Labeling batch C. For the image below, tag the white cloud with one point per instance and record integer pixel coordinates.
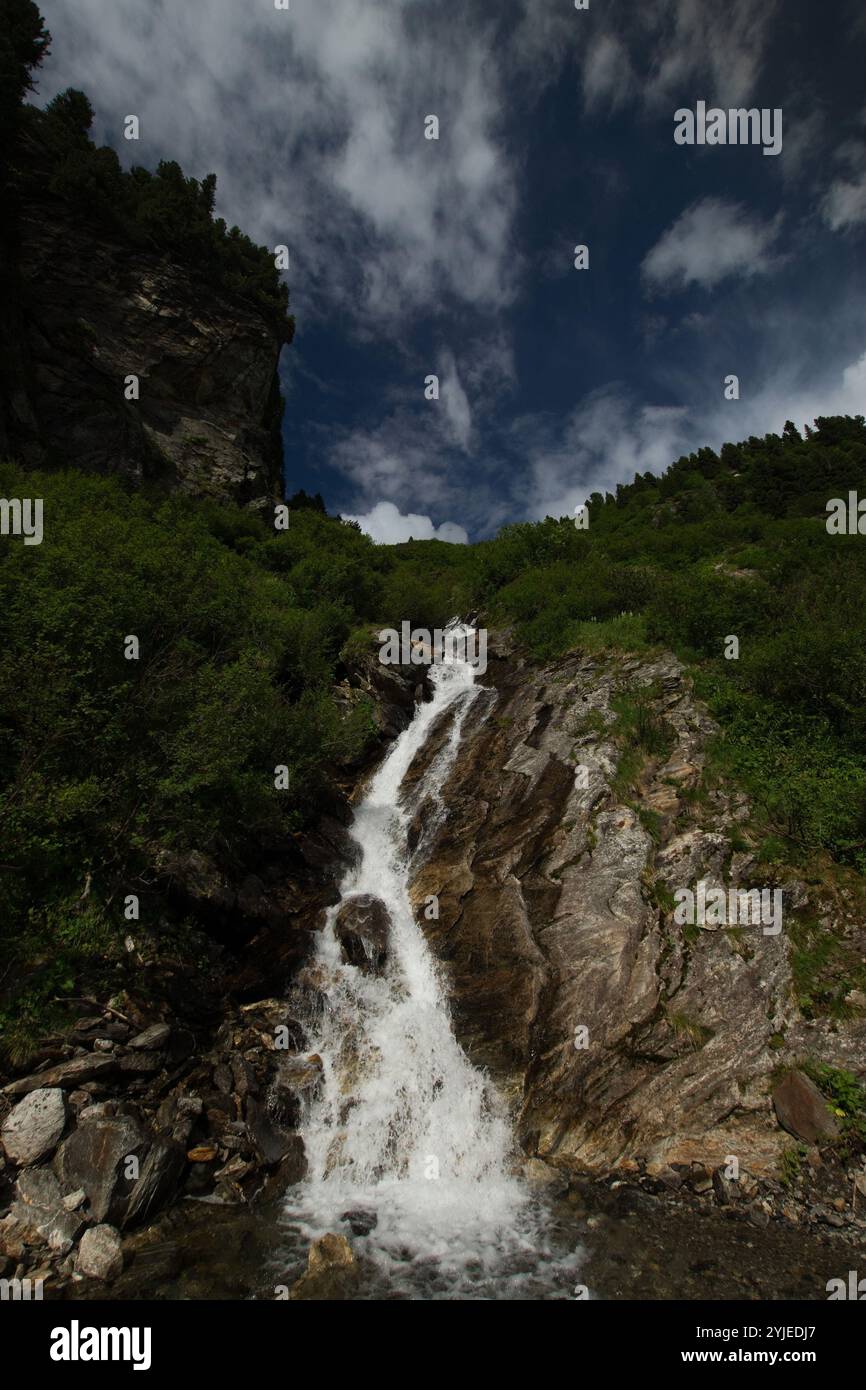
(612, 436)
(387, 526)
(710, 241)
(648, 52)
(608, 78)
(313, 120)
(686, 41)
(605, 440)
(788, 396)
(844, 203)
(454, 400)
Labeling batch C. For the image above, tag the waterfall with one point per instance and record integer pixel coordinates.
(403, 1129)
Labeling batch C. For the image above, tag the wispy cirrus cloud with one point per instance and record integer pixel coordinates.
(843, 205)
(313, 119)
(711, 241)
(647, 53)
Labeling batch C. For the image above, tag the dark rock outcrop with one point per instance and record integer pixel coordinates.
(802, 1110)
(94, 311)
(361, 927)
(124, 1171)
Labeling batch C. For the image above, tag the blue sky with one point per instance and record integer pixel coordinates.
(455, 257)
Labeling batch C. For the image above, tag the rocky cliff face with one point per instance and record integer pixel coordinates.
(93, 311)
(556, 916)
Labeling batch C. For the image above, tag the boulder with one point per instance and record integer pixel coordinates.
(292, 1169)
(330, 1252)
(39, 1215)
(96, 1157)
(69, 1074)
(158, 1181)
(542, 1177)
(12, 1239)
(141, 1063)
(802, 1110)
(176, 1121)
(361, 1222)
(152, 1039)
(34, 1127)
(301, 1073)
(284, 1105)
(361, 927)
(86, 1028)
(332, 1271)
(271, 1141)
(100, 1255)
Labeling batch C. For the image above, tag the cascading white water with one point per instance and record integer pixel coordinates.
(403, 1127)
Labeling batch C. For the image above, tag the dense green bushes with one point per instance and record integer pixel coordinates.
(809, 782)
(107, 763)
(161, 210)
(721, 545)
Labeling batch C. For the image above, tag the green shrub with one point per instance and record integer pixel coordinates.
(846, 1097)
(107, 763)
